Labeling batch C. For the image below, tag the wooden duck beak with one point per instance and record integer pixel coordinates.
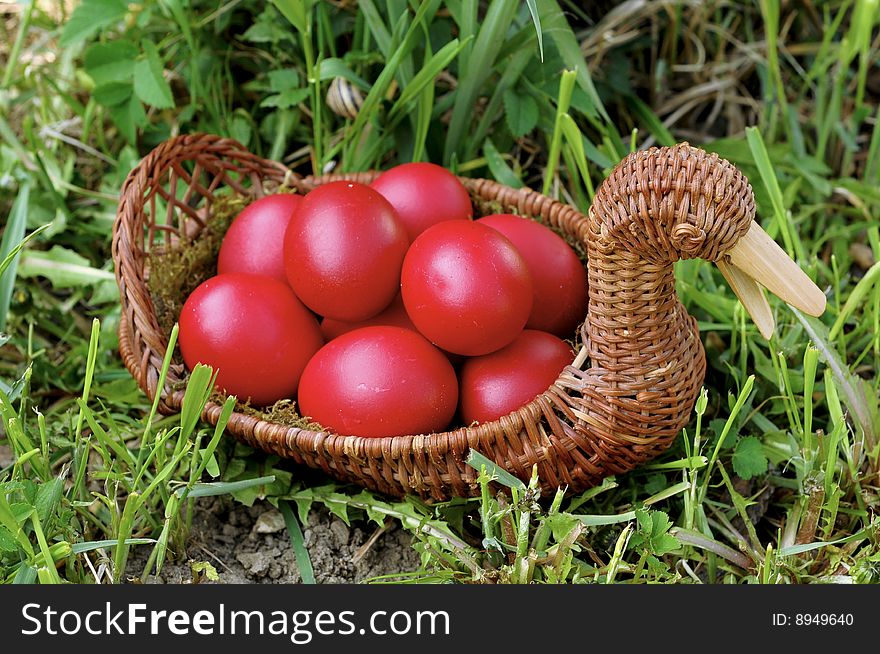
(757, 260)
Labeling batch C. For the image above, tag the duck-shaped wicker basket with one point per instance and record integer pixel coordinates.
(624, 398)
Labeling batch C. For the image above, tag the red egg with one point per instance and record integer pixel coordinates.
(560, 281)
(424, 194)
(343, 250)
(254, 242)
(379, 381)
(253, 331)
(393, 316)
(466, 287)
(496, 384)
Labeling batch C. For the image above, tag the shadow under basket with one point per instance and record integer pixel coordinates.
(167, 200)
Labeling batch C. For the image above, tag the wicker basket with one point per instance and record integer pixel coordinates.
(626, 395)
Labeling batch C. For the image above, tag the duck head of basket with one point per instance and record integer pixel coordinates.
(625, 396)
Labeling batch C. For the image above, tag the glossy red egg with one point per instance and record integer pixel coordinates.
(379, 381)
(496, 384)
(466, 287)
(253, 331)
(254, 242)
(394, 315)
(343, 250)
(560, 281)
(424, 194)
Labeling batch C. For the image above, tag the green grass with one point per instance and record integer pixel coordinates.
(773, 481)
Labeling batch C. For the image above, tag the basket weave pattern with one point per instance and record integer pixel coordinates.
(623, 399)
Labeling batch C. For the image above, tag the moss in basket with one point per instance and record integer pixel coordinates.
(283, 412)
(176, 272)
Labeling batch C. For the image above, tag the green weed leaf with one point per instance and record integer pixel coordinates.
(286, 99)
(129, 117)
(748, 458)
(521, 112)
(64, 268)
(149, 82)
(111, 62)
(112, 94)
(90, 17)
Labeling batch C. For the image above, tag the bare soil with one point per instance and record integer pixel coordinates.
(251, 545)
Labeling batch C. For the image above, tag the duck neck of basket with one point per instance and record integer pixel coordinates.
(637, 326)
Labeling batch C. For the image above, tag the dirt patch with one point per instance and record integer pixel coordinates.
(251, 545)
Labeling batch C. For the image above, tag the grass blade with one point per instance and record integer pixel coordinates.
(696, 539)
(490, 38)
(855, 299)
(809, 547)
(79, 548)
(857, 397)
(297, 540)
(380, 86)
(13, 241)
(477, 461)
(566, 88)
(211, 488)
(793, 245)
(198, 389)
(425, 77)
(740, 401)
(536, 19)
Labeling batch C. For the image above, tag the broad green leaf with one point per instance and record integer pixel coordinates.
(286, 99)
(113, 94)
(149, 82)
(240, 129)
(7, 540)
(561, 525)
(661, 523)
(90, 17)
(209, 570)
(521, 113)
(664, 543)
(128, 117)
(338, 506)
(48, 499)
(64, 268)
(268, 28)
(296, 11)
(748, 458)
(111, 62)
(283, 79)
(646, 521)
